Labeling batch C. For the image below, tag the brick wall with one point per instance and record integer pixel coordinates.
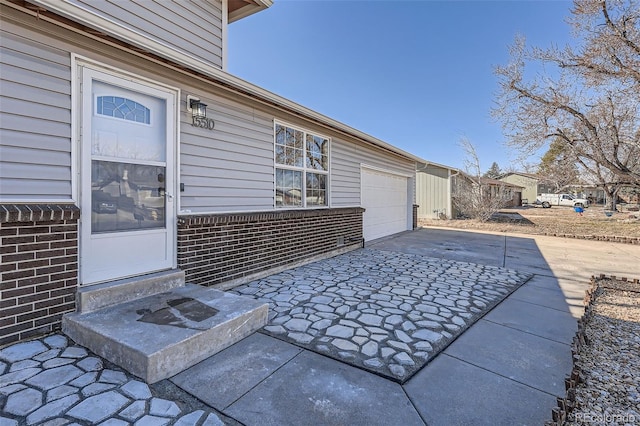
(214, 249)
(38, 268)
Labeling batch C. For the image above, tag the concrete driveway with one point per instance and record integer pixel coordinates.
(507, 368)
(480, 324)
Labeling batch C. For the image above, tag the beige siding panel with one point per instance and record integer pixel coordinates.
(35, 118)
(530, 190)
(191, 27)
(432, 193)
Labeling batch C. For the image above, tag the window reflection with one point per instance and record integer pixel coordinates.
(288, 188)
(302, 168)
(126, 197)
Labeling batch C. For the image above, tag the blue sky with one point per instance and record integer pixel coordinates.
(416, 74)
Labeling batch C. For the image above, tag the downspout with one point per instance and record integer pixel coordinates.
(450, 201)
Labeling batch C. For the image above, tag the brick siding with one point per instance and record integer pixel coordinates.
(214, 249)
(38, 268)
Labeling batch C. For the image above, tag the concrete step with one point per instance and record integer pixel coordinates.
(158, 336)
(94, 297)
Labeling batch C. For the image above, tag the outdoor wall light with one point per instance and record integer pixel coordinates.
(198, 108)
(199, 113)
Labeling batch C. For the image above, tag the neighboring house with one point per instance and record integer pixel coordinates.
(513, 192)
(433, 190)
(112, 166)
(528, 181)
(492, 187)
(531, 183)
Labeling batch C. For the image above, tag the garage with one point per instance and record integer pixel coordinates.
(384, 197)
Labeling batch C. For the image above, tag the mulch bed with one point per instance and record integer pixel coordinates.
(604, 385)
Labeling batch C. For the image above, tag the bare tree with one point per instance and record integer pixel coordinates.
(473, 195)
(610, 48)
(609, 183)
(586, 99)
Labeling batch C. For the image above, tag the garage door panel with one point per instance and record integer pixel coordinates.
(384, 197)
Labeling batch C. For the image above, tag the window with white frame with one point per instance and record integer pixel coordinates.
(302, 168)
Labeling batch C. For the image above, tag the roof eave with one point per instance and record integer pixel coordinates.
(140, 41)
(248, 10)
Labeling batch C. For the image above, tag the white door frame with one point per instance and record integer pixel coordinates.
(84, 71)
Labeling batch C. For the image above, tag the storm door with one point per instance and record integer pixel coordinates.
(127, 178)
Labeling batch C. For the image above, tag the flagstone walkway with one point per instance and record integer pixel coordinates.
(383, 311)
(52, 381)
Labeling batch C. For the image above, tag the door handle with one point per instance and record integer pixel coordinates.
(169, 196)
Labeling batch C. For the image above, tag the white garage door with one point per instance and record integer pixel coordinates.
(384, 196)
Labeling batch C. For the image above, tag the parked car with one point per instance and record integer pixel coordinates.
(102, 202)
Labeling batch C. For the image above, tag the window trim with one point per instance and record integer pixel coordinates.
(304, 169)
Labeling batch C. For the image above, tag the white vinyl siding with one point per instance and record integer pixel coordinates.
(35, 120)
(347, 158)
(190, 26)
(231, 167)
(227, 169)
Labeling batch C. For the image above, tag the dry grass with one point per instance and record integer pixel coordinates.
(556, 220)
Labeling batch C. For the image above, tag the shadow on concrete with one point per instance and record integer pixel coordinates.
(507, 368)
(510, 365)
(510, 217)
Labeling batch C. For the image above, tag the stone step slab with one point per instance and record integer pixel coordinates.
(99, 296)
(158, 336)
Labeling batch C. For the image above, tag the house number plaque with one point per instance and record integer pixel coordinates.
(203, 122)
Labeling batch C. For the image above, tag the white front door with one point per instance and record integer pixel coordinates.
(127, 177)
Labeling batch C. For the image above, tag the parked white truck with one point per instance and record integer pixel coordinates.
(548, 200)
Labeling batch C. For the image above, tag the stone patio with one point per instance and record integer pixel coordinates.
(383, 311)
(55, 382)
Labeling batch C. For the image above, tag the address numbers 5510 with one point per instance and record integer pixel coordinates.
(203, 122)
